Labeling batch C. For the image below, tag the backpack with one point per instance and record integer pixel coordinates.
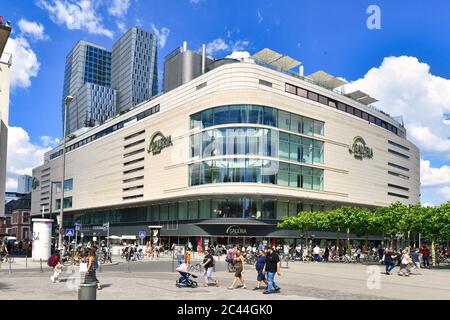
(51, 261)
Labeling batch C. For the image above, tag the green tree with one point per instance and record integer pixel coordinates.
(436, 226)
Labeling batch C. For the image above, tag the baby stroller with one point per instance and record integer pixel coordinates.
(184, 280)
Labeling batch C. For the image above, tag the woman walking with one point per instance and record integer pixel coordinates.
(238, 262)
(92, 267)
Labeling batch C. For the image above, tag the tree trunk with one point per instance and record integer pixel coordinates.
(433, 254)
(338, 238)
(348, 241)
(306, 237)
(367, 242)
(382, 240)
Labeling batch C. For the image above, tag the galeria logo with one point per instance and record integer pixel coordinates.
(158, 142)
(235, 230)
(34, 183)
(359, 149)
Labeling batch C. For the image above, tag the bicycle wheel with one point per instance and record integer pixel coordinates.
(194, 284)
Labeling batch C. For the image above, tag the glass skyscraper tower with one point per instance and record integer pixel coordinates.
(87, 78)
(134, 68)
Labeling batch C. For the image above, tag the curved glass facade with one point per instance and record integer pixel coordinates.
(255, 114)
(255, 171)
(256, 142)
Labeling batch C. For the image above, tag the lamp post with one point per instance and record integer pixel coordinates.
(67, 100)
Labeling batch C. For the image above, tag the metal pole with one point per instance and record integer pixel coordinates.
(26, 260)
(9, 259)
(128, 265)
(173, 260)
(41, 265)
(67, 100)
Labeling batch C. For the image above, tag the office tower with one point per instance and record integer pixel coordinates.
(183, 65)
(87, 78)
(134, 68)
(24, 183)
(5, 68)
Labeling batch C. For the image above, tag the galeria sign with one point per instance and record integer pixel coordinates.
(158, 142)
(359, 149)
(235, 230)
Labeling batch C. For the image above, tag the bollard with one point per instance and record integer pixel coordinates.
(87, 291)
(41, 265)
(100, 267)
(9, 265)
(26, 261)
(128, 266)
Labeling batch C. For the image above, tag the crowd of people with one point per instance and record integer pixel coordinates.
(8, 248)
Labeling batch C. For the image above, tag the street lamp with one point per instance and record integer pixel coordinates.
(67, 100)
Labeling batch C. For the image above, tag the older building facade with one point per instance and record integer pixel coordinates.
(225, 156)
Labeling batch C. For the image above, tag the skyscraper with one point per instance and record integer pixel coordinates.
(134, 68)
(5, 68)
(24, 183)
(87, 78)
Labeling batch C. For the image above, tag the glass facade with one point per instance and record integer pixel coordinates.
(255, 114)
(229, 207)
(248, 170)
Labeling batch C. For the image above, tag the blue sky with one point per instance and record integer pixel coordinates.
(409, 55)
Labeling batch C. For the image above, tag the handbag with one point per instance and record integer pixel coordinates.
(83, 267)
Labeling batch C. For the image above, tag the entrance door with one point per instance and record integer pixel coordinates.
(236, 241)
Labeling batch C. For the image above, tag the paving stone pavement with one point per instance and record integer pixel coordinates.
(301, 281)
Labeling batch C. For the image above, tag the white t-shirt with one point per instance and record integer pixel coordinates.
(316, 250)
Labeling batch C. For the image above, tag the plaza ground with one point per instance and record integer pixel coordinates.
(153, 280)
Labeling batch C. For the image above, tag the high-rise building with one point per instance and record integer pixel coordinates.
(134, 68)
(183, 65)
(87, 78)
(5, 68)
(24, 183)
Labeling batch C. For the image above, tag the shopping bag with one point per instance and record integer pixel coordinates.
(83, 267)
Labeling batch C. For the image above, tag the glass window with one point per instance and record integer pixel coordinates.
(318, 152)
(195, 145)
(220, 142)
(182, 211)
(295, 147)
(252, 208)
(307, 150)
(293, 209)
(164, 212)
(253, 171)
(194, 174)
(205, 209)
(295, 176)
(317, 179)
(221, 115)
(290, 88)
(318, 127)
(332, 103)
(155, 213)
(308, 126)
(193, 209)
(365, 115)
(208, 144)
(237, 114)
(173, 211)
(371, 118)
(349, 109)
(284, 120)
(268, 171)
(358, 113)
(296, 123)
(283, 175)
(283, 150)
(282, 209)
(313, 96)
(323, 100)
(67, 203)
(255, 114)
(270, 116)
(341, 106)
(207, 118)
(205, 172)
(302, 92)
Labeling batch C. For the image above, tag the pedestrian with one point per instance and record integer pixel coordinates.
(415, 256)
(326, 254)
(208, 264)
(238, 262)
(388, 260)
(426, 256)
(316, 252)
(259, 267)
(272, 267)
(55, 263)
(188, 256)
(92, 267)
(380, 253)
(405, 262)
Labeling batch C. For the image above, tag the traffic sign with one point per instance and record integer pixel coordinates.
(70, 232)
(77, 228)
(142, 234)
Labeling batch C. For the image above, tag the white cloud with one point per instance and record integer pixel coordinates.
(430, 176)
(119, 8)
(11, 184)
(25, 64)
(445, 193)
(215, 46)
(48, 141)
(161, 34)
(121, 26)
(32, 30)
(76, 15)
(405, 86)
(23, 155)
(260, 17)
(219, 45)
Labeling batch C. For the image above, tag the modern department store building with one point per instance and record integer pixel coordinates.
(225, 156)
